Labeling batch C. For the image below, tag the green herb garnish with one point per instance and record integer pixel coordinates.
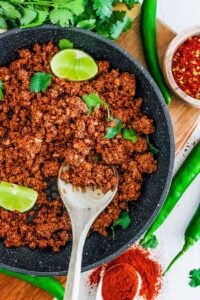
(112, 131)
(9, 11)
(63, 17)
(40, 81)
(103, 8)
(28, 15)
(1, 89)
(96, 15)
(123, 23)
(87, 24)
(129, 134)
(129, 3)
(123, 221)
(41, 17)
(152, 243)
(65, 44)
(194, 278)
(93, 101)
(153, 149)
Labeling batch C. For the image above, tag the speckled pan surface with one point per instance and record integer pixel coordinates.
(99, 249)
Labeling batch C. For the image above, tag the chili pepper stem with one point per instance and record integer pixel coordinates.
(184, 249)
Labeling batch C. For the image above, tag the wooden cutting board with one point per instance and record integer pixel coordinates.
(185, 119)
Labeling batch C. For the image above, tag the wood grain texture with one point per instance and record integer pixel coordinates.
(184, 118)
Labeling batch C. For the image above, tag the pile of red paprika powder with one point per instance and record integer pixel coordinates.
(121, 282)
(186, 66)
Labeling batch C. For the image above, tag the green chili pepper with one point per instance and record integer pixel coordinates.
(148, 32)
(192, 235)
(182, 179)
(52, 286)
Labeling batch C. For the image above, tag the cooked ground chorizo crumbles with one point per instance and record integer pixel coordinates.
(41, 130)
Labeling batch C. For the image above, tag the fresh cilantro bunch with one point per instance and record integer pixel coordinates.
(95, 15)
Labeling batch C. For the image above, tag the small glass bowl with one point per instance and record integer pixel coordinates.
(175, 43)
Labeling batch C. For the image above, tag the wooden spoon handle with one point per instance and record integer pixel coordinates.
(74, 271)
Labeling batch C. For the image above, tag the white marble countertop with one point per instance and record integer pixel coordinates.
(178, 14)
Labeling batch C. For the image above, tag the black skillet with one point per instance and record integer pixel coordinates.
(98, 249)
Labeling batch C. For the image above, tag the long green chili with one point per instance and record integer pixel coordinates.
(52, 286)
(148, 32)
(182, 179)
(192, 235)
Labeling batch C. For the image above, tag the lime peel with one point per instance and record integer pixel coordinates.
(74, 65)
(15, 197)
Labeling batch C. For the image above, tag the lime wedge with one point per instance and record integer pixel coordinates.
(17, 197)
(74, 65)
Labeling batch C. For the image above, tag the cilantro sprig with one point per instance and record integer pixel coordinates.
(93, 101)
(151, 147)
(113, 131)
(40, 81)
(65, 44)
(194, 276)
(152, 243)
(123, 221)
(96, 15)
(1, 89)
(129, 134)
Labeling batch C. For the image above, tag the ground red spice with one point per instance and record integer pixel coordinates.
(149, 270)
(186, 66)
(120, 283)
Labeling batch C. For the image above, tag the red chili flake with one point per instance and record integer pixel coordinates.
(186, 66)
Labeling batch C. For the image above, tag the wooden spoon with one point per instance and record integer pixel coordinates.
(83, 208)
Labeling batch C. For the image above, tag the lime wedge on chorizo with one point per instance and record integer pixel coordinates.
(74, 65)
(17, 197)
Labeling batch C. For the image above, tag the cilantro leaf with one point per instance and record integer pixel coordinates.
(123, 221)
(76, 7)
(151, 243)
(112, 131)
(103, 28)
(99, 16)
(103, 8)
(130, 3)
(87, 24)
(40, 81)
(93, 101)
(129, 134)
(3, 24)
(61, 17)
(65, 44)
(114, 26)
(39, 20)
(89, 13)
(1, 89)
(9, 10)
(194, 277)
(153, 149)
(28, 15)
(120, 26)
